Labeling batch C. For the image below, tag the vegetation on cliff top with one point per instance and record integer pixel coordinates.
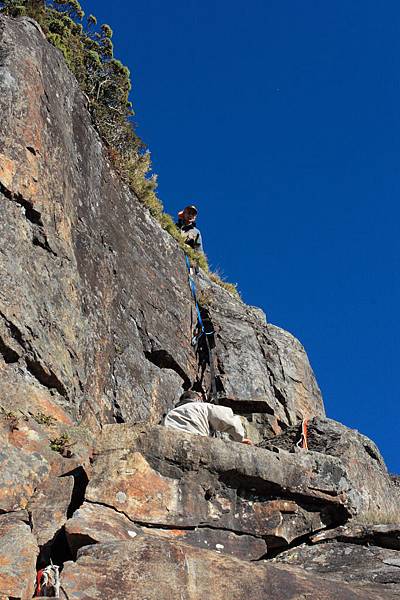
(88, 51)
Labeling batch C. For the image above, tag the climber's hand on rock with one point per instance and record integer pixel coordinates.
(247, 441)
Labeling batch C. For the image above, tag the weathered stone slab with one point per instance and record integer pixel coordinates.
(310, 474)
(297, 381)
(245, 547)
(93, 523)
(18, 553)
(23, 394)
(181, 480)
(346, 561)
(104, 315)
(152, 568)
(133, 487)
(119, 436)
(385, 535)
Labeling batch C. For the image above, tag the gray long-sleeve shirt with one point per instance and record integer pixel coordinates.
(191, 235)
(202, 418)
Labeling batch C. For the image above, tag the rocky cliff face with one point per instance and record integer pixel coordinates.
(96, 322)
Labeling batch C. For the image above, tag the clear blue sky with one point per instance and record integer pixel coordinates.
(281, 121)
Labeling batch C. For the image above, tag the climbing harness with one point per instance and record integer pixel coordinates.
(202, 331)
(48, 582)
(303, 441)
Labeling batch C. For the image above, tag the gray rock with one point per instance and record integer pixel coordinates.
(96, 322)
(395, 561)
(245, 547)
(262, 371)
(152, 568)
(349, 562)
(179, 480)
(384, 535)
(20, 474)
(28, 464)
(379, 497)
(49, 506)
(103, 320)
(93, 523)
(105, 317)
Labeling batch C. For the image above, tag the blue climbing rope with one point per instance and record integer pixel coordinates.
(203, 331)
(194, 294)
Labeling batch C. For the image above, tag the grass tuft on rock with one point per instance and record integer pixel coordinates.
(60, 444)
(229, 287)
(43, 419)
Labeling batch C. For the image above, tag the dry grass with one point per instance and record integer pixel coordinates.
(229, 287)
(379, 517)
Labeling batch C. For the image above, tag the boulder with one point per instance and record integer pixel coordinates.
(94, 523)
(152, 568)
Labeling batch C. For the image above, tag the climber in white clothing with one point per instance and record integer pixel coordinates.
(193, 415)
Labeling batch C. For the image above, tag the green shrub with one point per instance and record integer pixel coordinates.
(61, 444)
(43, 419)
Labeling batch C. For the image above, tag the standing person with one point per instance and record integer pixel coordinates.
(187, 224)
(193, 415)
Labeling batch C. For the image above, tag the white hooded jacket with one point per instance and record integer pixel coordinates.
(202, 418)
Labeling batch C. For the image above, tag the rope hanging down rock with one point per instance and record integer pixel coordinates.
(202, 331)
(303, 441)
